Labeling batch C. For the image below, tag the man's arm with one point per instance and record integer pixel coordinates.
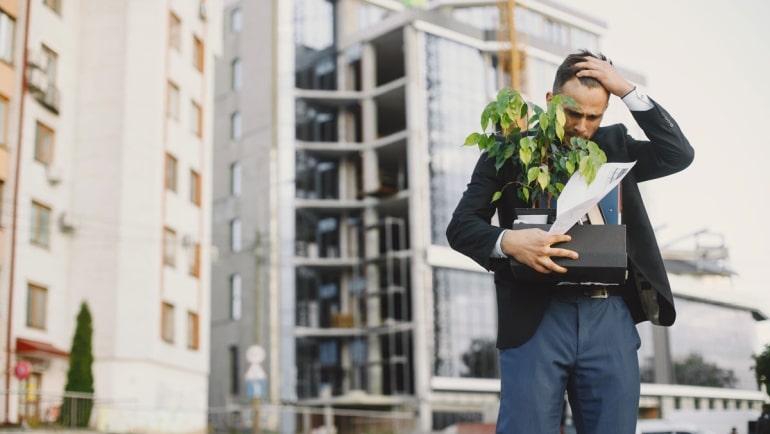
(667, 150)
(470, 231)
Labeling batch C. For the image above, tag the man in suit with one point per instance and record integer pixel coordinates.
(553, 338)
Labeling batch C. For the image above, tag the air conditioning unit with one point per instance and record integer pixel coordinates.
(53, 173)
(66, 222)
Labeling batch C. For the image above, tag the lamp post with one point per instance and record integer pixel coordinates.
(255, 381)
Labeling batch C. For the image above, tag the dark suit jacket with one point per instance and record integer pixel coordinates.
(646, 292)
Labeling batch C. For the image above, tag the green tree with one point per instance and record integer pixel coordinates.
(762, 368)
(76, 411)
(695, 371)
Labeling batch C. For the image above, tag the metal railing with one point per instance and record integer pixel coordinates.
(40, 411)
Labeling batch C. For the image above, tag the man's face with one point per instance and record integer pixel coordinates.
(584, 121)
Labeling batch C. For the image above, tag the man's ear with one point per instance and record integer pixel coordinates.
(548, 96)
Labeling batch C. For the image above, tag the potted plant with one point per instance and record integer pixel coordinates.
(531, 139)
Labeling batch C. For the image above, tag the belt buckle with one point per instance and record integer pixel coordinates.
(600, 292)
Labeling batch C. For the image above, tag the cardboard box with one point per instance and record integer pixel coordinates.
(602, 250)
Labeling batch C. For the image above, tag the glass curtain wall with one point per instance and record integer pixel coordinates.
(460, 82)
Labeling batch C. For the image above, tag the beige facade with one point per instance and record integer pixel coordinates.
(105, 167)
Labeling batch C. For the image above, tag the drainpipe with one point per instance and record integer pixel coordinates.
(15, 215)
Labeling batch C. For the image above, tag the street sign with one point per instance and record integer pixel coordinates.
(255, 375)
(22, 369)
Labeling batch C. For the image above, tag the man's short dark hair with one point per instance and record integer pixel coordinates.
(567, 70)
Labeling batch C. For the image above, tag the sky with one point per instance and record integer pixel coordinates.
(707, 63)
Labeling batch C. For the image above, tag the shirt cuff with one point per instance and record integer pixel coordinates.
(637, 101)
(497, 251)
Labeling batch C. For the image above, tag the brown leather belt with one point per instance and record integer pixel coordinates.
(591, 291)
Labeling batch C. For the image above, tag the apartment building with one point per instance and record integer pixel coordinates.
(106, 167)
(337, 164)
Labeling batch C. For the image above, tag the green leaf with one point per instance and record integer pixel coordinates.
(525, 194)
(496, 196)
(486, 115)
(561, 119)
(532, 174)
(525, 155)
(543, 121)
(472, 139)
(560, 132)
(543, 178)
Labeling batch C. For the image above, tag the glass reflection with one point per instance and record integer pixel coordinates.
(465, 324)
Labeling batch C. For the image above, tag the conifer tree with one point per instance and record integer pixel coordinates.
(76, 411)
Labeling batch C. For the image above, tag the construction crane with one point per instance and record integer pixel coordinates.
(510, 60)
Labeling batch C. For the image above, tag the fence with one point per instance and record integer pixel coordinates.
(309, 420)
(43, 411)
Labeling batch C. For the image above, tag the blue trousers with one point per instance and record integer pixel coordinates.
(586, 346)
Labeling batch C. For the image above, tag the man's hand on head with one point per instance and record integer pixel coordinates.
(533, 247)
(607, 75)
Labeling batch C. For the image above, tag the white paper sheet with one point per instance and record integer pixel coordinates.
(578, 197)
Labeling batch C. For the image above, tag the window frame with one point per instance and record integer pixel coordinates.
(236, 126)
(235, 235)
(37, 319)
(171, 170)
(44, 152)
(40, 233)
(54, 5)
(167, 322)
(195, 187)
(195, 261)
(193, 330)
(172, 101)
(236, 297)
(236, 179)
(236, 20)
(174, 32)
(4, 107)
(236, 74)
(169, 246)
(7, 37)
(198, 53)
(196, 118)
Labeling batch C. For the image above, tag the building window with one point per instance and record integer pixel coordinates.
(43, 143)
(54, 5)
(198, 53)
(236, 20)
(37, 300)
(236, 76)
(196, 119)
(50, 61)
(235, 126)
(171, 165)
(167, 322)
(235, 377)
(172, 109)
(2, 190)
(41, 222)
(195, 188)
(195, 260)
(193, 342)
(235, 235)
(169, 247)
(235, 297)
(3, 121)
(235, 179)
(7, 31)
(174, 32)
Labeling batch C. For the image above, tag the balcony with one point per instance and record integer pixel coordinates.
(42, 88)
